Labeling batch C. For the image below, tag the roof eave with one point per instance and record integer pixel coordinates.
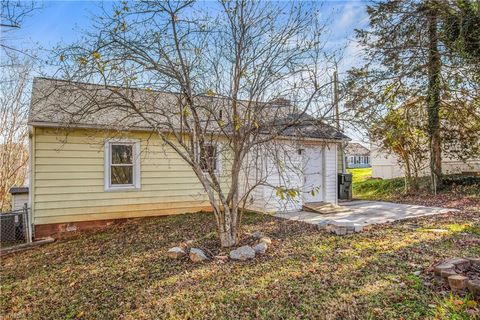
(41, 124)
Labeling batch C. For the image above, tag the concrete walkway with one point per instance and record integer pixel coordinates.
(364, 213)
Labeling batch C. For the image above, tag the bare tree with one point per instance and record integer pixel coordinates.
(13, 128)
(14, 12)
(12, 16)
(245, 74)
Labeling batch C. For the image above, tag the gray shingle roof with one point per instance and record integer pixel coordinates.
(356, 149)
(72, 104)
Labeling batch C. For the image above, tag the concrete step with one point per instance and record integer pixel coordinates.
(323, 208)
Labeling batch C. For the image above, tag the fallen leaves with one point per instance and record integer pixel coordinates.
(122, 272)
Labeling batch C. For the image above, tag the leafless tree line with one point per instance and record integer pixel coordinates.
(13, 128)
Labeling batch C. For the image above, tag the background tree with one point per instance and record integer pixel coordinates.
(460, 29)
(16, 65)
(13, 127)
(402, 132)
(12, 16)
(406, 59)
(231, 69)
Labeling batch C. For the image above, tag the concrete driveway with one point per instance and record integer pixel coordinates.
(364, 213)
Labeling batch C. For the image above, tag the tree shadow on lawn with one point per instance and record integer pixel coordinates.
(124, 272)
(343, 281)
(115, 263)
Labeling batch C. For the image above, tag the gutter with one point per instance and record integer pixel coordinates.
(41, 124)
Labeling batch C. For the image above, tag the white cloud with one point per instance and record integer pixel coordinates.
(349, 15)
(352, 55)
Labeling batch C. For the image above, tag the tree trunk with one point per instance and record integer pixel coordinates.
(227, 230)
(408, 176)
(228, 239)
(433, 98)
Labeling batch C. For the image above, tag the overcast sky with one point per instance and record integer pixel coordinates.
(61, 22)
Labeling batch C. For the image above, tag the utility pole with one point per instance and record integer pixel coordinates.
(337, 117)
(335, 97)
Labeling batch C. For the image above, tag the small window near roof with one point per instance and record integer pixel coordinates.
(122, 165)
(209, 158)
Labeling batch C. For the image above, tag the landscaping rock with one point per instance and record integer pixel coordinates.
(222, 257)
(242, 253)
(261, 248)
(257, 235)
(197, 255)
(354, 228)
(185, 245)
(447, 273)
(266, 240)
(341, 230)
(460, 263)
(358, 227)
(323, 224)
(176, 253)
(457, 282)
(475, 262)
(350, 228)
(474, 287)
(338, 230)
(442, 266)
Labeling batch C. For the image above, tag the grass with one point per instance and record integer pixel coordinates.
(360, 174)
(123, 272)
(456, 186)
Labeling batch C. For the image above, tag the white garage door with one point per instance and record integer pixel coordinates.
(289, 176)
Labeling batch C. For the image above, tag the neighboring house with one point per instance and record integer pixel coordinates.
(387, 166)
(357, 156)
(81, 177)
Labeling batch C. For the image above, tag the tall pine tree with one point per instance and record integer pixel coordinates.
(405, 60)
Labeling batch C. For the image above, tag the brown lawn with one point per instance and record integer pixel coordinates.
(123, 272)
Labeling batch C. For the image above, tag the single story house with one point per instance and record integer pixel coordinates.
(85, 174)
(357, 156)
(388, 166)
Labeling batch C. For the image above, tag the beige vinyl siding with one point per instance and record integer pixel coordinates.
(68, 179)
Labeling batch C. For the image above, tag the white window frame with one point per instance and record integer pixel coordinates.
(136, 165)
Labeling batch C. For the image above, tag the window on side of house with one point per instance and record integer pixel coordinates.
(209, 157)
(122, 165)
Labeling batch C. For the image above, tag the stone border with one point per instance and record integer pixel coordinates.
(259, 245)
(457, 273)
(340, 228)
